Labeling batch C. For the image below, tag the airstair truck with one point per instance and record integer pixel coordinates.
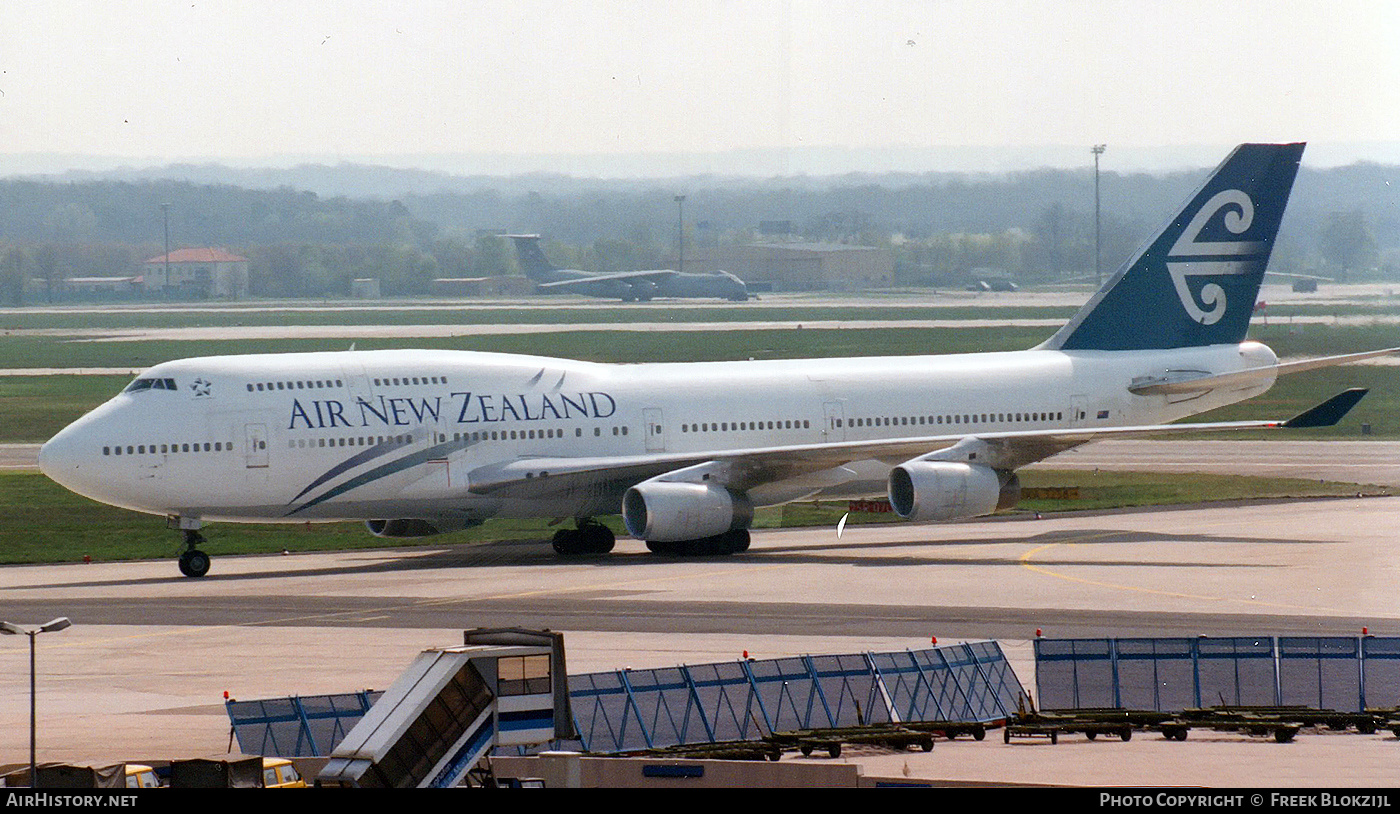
(452, 706)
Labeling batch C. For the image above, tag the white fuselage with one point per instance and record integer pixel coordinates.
(386, 434)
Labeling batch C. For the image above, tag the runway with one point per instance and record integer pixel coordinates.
(150, 653)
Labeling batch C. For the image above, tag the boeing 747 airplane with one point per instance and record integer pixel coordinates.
(423, 442)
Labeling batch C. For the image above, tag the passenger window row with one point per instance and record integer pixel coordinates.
(503, 435)
(741, 426)
(347, 441)
(483, 435)
(964, 418)
(166, 449)
(297, 385)
(399, 381)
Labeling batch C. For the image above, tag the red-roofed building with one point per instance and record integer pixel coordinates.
(208, 272)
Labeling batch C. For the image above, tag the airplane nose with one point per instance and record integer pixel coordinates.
(58, 459)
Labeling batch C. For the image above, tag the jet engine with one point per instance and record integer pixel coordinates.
(413, 527)
(664, 512)
(947, 490)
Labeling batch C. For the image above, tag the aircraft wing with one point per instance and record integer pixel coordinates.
(651, 276)
(745, 469)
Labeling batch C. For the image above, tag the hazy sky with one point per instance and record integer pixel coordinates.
(251, 81)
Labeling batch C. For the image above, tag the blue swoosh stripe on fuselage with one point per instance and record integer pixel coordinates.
(406, 462)
(352, 462)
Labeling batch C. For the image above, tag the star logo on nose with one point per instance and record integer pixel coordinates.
(200, 387)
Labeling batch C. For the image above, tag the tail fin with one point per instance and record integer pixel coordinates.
(1196, 282)
(532, 261)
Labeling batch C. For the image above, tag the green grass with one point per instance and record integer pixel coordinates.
(34, 408)
(45, 523)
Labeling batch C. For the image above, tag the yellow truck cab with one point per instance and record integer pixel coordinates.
(279, 773)
(141, 776)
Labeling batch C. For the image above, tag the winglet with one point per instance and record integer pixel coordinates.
(1328, 412)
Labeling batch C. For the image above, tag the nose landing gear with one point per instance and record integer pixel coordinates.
(193, 562)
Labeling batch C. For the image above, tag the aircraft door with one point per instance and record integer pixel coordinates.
(1078, 410)
(656, 430)
(356, 384)
(255, 449)
(834, 425)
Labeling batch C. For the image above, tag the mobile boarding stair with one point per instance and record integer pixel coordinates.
(452, 706)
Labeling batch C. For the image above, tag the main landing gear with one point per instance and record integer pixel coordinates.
(730, 542)
(193, 562)
(591, 537)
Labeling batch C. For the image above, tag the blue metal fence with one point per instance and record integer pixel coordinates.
(300, 726)
(1322, 672)
(748, 700)
(633, 710)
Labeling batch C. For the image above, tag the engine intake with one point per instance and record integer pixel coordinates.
(946, 490)
(667, 512)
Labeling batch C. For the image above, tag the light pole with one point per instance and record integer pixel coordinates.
(13, 630)
(165, 212)
(1097, 150)
(680, 233)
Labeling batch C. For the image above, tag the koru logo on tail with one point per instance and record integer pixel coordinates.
(1190, 257)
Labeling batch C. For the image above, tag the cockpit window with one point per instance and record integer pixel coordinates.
(151, 384)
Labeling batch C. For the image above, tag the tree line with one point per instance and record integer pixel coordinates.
(1036, 225)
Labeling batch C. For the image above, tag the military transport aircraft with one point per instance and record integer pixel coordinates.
(628, 286)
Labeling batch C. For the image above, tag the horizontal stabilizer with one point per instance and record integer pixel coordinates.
(1328, 412)
(1246, 378)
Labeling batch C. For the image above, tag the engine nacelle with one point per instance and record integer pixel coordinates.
(413, 527)
(947, 490)
(668, 512)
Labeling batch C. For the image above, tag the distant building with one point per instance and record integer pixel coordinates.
(365, 288)
(801, 266)
(204, 272)
(100, 286)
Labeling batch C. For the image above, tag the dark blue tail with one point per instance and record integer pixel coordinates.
(532, 260)
(1196, 282)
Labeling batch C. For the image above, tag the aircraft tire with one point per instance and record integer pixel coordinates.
(566, 543)
(664, 548)
(720, 545)
(588, 538)
(599, 538)
(194, 563)
(715, 546)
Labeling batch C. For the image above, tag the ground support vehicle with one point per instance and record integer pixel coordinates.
(1282, 722)
(1091, 723)
(953, 729)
